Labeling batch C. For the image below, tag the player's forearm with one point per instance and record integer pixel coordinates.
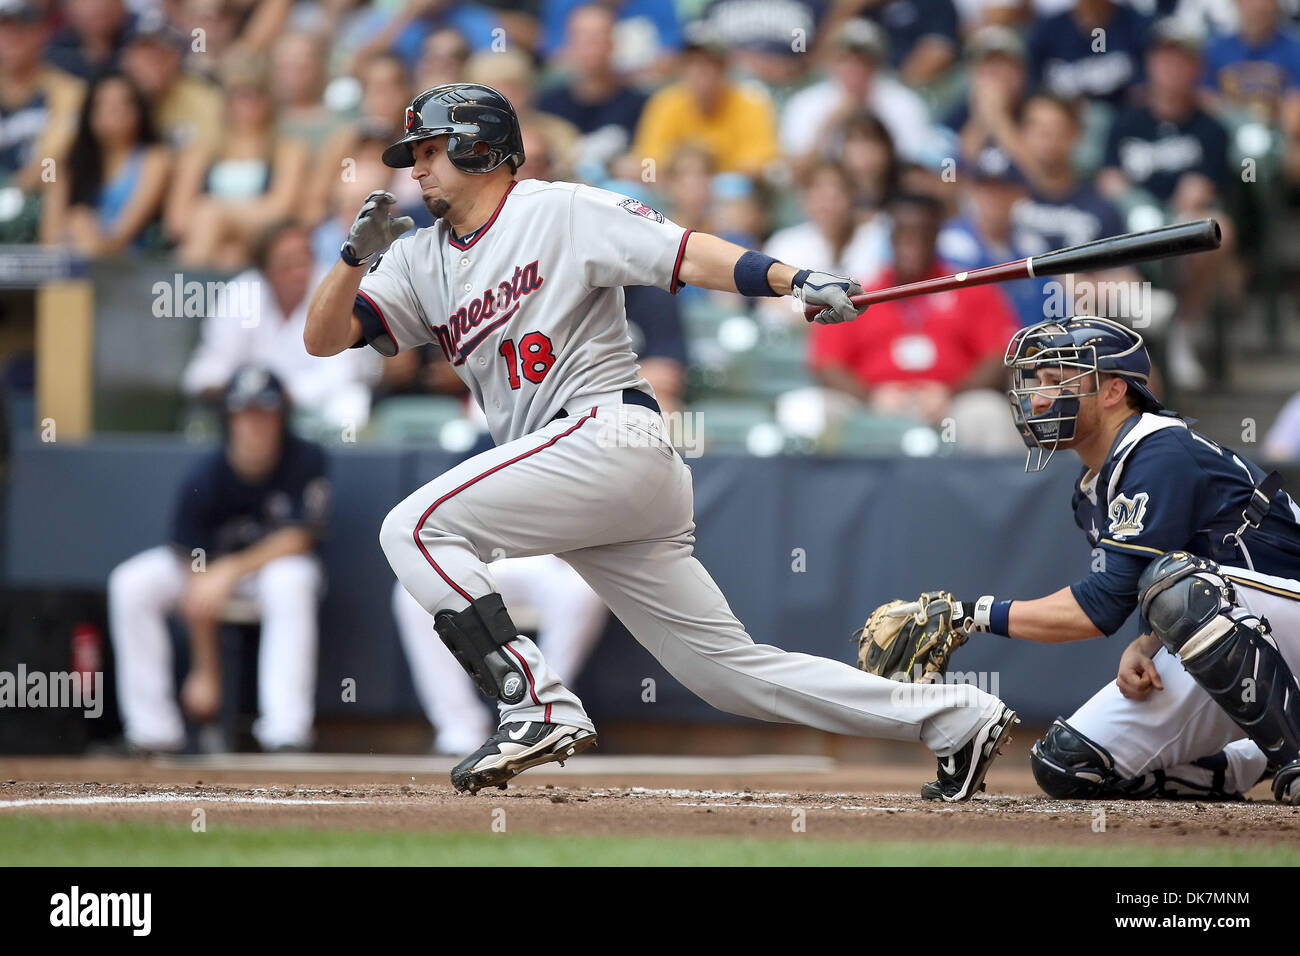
(710, 263)
(205, 648)
(277, 544)
(331, 327)
(1147, 643)
(1054, 619)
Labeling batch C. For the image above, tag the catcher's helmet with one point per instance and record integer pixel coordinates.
(1079, 347)
(481, 125)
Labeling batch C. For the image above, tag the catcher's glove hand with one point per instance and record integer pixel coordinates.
(912, 641)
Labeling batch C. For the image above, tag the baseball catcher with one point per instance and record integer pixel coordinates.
(1194, 536)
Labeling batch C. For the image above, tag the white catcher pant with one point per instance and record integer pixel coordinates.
(1182, 723)
(570, 619)
(604, 490)
(145, 589)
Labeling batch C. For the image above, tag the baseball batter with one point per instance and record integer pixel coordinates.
(1198, 539)
(519, 283)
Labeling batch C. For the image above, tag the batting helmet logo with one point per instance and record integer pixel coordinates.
(410, 119)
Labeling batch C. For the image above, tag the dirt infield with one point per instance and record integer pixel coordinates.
(599, 795)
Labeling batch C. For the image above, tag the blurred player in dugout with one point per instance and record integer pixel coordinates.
(246, 523)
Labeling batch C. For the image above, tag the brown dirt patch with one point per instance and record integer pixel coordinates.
(877, 801)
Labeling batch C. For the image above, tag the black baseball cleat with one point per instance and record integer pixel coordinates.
(961, 774)
(516, 747)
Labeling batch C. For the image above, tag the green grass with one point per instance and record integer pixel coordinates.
(59, 841)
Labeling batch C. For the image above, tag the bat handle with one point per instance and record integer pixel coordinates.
(861, 300)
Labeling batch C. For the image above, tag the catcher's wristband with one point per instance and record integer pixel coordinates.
(991, 616)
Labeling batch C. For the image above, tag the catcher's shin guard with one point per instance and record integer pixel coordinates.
(1070, 766)
(1067, 765)
(1229, 652)
(477, 637)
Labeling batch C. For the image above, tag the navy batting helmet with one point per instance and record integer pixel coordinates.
(482, 127)
(1079, 348)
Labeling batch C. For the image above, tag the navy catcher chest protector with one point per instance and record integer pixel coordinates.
(481, 126)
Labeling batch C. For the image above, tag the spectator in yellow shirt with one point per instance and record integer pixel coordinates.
(735, 123)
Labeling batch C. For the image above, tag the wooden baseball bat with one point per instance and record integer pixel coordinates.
(1110, 253)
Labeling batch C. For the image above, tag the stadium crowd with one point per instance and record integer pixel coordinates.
(243, 134)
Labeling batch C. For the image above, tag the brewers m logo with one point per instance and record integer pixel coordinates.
(1126, 515)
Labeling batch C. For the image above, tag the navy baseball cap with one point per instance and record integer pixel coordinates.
(254, 387)
(152, 26)
(992, 165)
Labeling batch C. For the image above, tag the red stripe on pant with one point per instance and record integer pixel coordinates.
(455, 491)
(532, 686)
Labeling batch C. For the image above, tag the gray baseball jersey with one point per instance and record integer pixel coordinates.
(533, 320)
(529, 311)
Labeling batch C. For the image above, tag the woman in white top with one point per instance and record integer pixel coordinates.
(831, 231)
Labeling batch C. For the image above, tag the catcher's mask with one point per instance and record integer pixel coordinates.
(1077, 351)
(481, 126)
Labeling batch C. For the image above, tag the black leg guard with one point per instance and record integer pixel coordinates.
(1068, 765)
(475, 637)
(1194, 612)
(1286, 784)
(1205, 778)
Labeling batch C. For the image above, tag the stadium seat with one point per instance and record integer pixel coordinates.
(864, 434)
(779, 365)
(413, 417)
(727, 424)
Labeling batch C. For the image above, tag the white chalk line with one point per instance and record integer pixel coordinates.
(171, 798)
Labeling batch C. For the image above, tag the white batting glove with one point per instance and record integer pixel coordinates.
(831, 291)
(374, 229)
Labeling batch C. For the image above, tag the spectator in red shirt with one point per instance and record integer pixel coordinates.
(936, 358)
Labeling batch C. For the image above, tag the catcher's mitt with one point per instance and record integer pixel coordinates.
(912, 641)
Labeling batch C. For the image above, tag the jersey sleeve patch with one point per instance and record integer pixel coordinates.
(1127, 515)
(637, 208)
